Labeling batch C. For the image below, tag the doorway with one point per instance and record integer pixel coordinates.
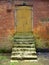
(23, 19)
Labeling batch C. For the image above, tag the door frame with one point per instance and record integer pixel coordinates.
(15, 15)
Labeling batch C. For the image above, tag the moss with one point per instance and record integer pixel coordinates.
(5, 51)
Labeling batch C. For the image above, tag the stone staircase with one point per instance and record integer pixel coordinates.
(23, 48)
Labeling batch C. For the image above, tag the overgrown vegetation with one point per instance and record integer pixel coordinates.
(5, 51)
(41, 43)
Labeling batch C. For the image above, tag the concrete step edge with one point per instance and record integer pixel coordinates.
(16, 56)
(26, 51)
(24, 60)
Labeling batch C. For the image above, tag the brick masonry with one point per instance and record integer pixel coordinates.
(7, 19)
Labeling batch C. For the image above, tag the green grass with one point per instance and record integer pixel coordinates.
(13, 63)
(24, 63)
(4, 59)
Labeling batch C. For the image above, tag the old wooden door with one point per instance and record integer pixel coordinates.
(23, 18)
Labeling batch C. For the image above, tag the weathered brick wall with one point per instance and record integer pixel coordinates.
(6, 19)
(41, 15)
(7, 22)
(41, 22)
(41, 10)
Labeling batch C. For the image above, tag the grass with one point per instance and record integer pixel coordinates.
(27, 63)
(4, 59)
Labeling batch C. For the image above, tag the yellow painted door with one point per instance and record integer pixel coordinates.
(23, 18)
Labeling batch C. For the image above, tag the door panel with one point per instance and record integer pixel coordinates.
(23, 19)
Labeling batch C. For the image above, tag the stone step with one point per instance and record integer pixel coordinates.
(25, 52)
(23, 36)
(23, 40)
(29, 42)
(20, 50)
(24, 44)
(25, 60)
(23, 49)
(24, 56)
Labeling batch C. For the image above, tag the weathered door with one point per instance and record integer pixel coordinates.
(23, 18)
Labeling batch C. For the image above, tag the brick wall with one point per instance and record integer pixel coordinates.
(41, 17)
(6, 24)
(6, 19)
(40, 11)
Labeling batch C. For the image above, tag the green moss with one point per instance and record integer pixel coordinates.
(5, 51)
(13, 63)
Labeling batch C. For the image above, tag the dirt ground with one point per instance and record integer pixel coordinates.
(43, 59)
